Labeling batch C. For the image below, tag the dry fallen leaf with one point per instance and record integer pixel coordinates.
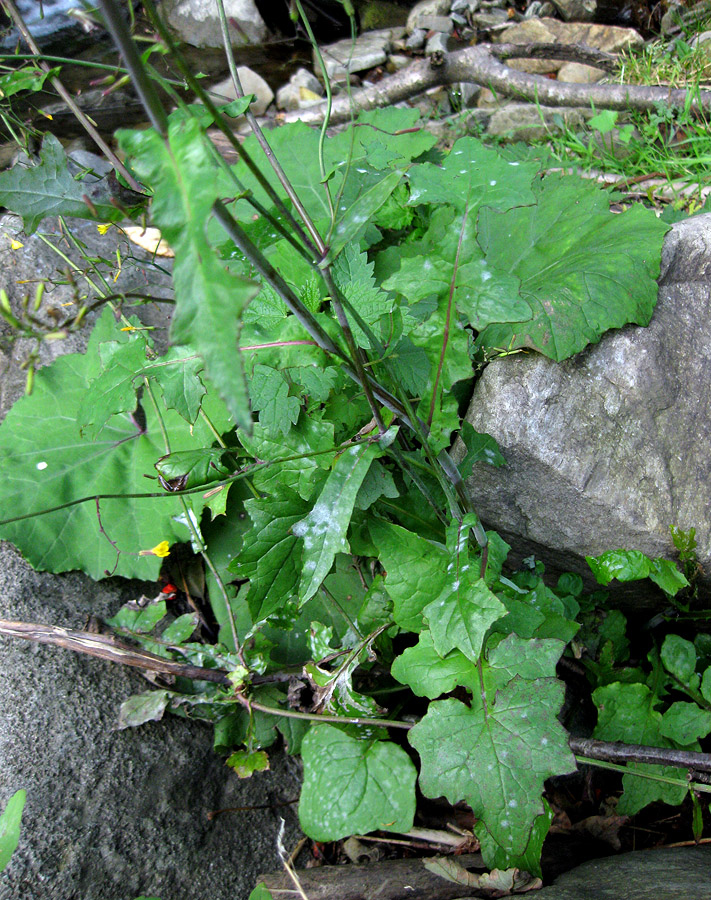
(149, 239)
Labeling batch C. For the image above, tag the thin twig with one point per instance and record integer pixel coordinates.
(660, 756)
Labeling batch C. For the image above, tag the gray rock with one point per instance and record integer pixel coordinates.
(370, 49)
(525, 122)
(538, 10)
(610, 38)
(490, 18)
(416, 41)
(291, 97)
(435, 23)
(114, 814)
(437, 43)
(467, 93)
(679, 873)
(426, 8)
(397, 61)
(576, 10)
(110, 814)
(252, 83)
(197, 22)
(608, 449)
(577, 73)
(302, 78)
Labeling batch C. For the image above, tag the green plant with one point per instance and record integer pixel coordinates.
(331, 297)
(10, 827)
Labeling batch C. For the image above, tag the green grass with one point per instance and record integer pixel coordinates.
(672, 144)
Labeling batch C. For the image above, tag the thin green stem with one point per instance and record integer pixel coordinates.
(317, 717)
(327, 116)
(198, 541)
(662, 779)
(82, 118)
(82, 63)
(219, 121)
(263, 143)
(448, 317)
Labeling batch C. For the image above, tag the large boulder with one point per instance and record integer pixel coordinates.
(110, 814)
(665, 874)
(197, 22)
(610, 448)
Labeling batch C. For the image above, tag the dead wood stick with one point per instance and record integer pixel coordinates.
(395, 879)
(579, 53)
(106, 647)
(623, 753)
(480, 65)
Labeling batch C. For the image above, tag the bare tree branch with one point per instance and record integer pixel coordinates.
(579, 53)
(624, 753)
(480, 65)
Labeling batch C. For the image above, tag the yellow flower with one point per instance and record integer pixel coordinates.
(14, 243)
(102, 229)
(162, 549)
(129, 328)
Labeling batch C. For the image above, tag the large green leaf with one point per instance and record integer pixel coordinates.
(353, 786)
(311, 446)
(631, 565)
(416, 571)
(323, 531)
(462, 614)
(496, 753)
(473, 176)
(448, 262)
(429, 674)
(627, 712)
(44, 462)
(209, 300)
(354, 276)
(48, 189)
(583, 270)
(271, 554)
(357, 160)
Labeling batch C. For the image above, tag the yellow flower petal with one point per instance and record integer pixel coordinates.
(162, 549)
(102, 229)
(14, 243)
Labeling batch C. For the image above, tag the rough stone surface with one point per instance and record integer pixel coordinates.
(610, 448)
(435, 23)
(577, 10)
(426, 8)
(371, 49)
(438, 43)
(197, 22)
(114, 814)
(524, 122)
(610, 38)
(576, 73)
(110, 814)
(490, 18)
(680, 873)
(252, 83)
